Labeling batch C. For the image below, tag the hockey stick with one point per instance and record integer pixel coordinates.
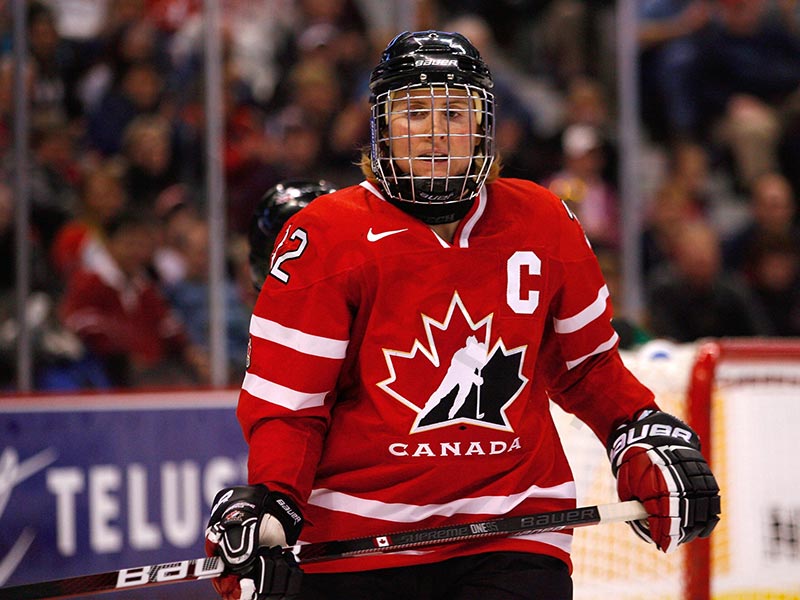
(205, 568)
(478, 414)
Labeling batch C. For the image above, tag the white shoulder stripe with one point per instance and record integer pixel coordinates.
(413, 513)
(281, 395)
(466, 231)
(306, 343)
(607, 345)
(584, 317)
(369, 186)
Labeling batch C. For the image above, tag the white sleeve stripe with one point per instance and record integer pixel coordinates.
(280, 395)
(413, 513)
(313, 345)
(584, 317)
(607, 345)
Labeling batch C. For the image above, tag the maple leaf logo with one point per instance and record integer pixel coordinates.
(458, 374)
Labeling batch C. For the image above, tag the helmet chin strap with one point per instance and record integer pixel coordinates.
(435, 204)
(435, 214)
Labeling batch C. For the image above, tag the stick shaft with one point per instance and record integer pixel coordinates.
(506, 526)
(204, 568)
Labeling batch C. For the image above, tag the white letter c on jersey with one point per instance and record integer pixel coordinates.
(533, 265)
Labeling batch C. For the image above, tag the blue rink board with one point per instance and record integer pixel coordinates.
(95, 484)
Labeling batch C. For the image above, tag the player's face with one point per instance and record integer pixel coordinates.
(433, 131)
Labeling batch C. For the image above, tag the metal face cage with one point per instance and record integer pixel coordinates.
(433, 143)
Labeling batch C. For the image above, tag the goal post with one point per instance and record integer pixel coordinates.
(742, 396)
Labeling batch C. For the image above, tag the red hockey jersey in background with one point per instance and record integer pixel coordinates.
(398, 381)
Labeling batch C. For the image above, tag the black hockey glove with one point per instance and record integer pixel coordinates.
(656, 460)
(248, 528)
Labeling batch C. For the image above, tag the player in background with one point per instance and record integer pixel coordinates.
(373, 294)
(278, 203)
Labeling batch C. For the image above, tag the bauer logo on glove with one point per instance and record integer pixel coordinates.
(639, 431)
(656, 460)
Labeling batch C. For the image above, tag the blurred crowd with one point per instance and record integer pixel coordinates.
(119, 235)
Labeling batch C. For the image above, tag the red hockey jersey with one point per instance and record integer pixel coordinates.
(398, 381)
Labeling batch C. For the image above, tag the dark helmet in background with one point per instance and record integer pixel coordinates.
(276, 206)
(444, 65)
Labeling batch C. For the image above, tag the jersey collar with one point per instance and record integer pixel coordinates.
(467, 223)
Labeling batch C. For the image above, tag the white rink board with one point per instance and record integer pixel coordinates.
(762, 478)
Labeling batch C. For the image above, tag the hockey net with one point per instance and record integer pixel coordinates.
(743, 398)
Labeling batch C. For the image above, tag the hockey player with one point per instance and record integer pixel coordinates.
(374, 295)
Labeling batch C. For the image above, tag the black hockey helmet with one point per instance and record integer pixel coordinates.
(440, 62)
(275, 207)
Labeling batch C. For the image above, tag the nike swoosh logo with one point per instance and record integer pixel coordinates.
(374, 237)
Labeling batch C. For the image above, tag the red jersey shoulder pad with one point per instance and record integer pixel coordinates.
(534, 206)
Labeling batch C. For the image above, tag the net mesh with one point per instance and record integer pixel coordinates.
(755, 550)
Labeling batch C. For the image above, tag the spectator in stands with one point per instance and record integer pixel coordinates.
(689, 174)
(693, 298)
(54, 177)
(773, 213)
(316, 92)
(135, 42)
(250, 153)
(122, 317)
(177, 212)
(582, 185)
(301, 144)
(302, 128)
(150, 166)
(80, 22)
(554, 39)
(139, 92)
(254, 39)
(336, 36)
(41, 275)
(331, 31)
(682, 196)
(748, 71)
(584, 103)
(54, 70)
(669, 48)
(772, 268)
(59, 360)
(79, 242)
(122, 12)
(789, 147)
(191, 299)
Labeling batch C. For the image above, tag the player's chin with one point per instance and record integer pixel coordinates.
(436, 168)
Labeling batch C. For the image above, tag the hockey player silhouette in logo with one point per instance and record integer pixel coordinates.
(463, 373)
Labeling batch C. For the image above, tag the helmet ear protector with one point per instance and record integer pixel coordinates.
(276, 206)
(447, 68)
